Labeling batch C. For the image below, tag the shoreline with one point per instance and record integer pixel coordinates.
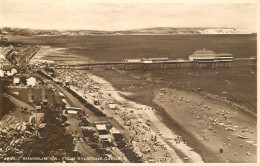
(198, 145)
(190, 119)
(177, 127)
(141, 136)
(186, 135)
(156, 124)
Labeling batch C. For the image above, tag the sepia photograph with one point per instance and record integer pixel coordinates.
(128, 82)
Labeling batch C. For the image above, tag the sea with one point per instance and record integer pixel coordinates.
(237, 84)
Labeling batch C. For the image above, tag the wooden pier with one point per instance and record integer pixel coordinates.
(145, 66)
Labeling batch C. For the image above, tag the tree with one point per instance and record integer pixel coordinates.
(5, 103)
(53, 137)
(23, 80)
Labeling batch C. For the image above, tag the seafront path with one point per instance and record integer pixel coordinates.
(82, 147)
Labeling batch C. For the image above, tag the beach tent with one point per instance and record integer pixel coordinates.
(112, 105)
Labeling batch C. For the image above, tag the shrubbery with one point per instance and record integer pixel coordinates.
(53, 137)
(5, 104)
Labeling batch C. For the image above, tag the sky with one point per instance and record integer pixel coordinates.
(78, 14)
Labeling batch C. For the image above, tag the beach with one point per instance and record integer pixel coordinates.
(209, 124)
(148, 112)
(192, 114)
(149, 141)
(214, 123)
(198, 126)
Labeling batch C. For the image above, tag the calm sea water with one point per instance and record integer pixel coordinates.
(117, 48)
(237, 83)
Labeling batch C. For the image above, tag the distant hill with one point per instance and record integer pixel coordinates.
(170, 30)
(145, 31)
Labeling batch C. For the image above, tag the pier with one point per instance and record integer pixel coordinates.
(144, 66)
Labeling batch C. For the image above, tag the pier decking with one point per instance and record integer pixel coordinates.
(172, 64)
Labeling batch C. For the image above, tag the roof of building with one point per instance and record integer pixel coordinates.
(101, 122)
(73, 108)
(106, 137)
(7, 67)
(114, 131)
(88, 127)
(101, 127)
(224, 54)
(72, 112)
(16, 80)
(204, 52)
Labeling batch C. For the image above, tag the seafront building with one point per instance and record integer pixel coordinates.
(210, 56)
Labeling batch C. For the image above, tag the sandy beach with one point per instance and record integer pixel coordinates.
(148, 112)
(214, 123)
(154, 142)
(193, 127)
(58, 55)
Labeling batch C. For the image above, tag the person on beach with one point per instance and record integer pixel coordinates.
(221, 150)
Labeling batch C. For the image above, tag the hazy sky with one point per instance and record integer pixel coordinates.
(78, 14)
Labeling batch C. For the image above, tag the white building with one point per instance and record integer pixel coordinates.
(210, 56)
(16, 81)
(31, 81)
(2, 73)
(9, 70)
(204, 55)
